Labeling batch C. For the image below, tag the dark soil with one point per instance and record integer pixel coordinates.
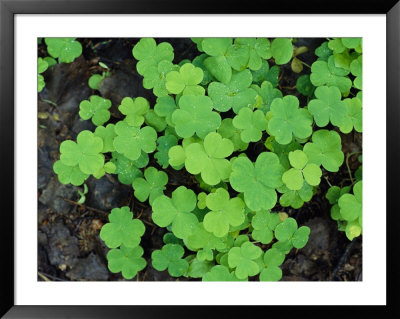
(69, 247)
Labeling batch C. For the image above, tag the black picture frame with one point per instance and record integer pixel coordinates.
(8, 10)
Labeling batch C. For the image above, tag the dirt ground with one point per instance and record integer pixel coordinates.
(69, 247)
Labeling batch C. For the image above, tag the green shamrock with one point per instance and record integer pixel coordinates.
(224, 212)
(95, 108)
(69, 174)
(242, 259)
(354, 116)
(289, 231)
(132, 140)
(227, 130)
(259, 49)
(273, 258)
(304, 85)
(282, 150)
(149, 54)
(155, 77)
(177, 211)
(267, 93)
(351, 205)
(42, 66)
(356, 70)
(122, 229)
(164, 144)
(219, 273)
(217, 62)
(195, 115)
(295, 198)
(127, 260)
(86, 152)
(107, 134)
(258, 181)
(65, 49)
(164, 107)
(325, 149)
(151, 186)
(251, 124)
(199, 62)
(282, 50)
(310, 172)
(127, 169)
(265, 73)
(286, 119)
(328, 106)
(235, 94)
(185, 80)
(208, 158)
(205, 241)
(263, 224)
(170, 256)
(134, 109)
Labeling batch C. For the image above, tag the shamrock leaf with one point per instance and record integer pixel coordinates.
(219, 273)
(351, 43)
(85, 152)
(251, 124)
(155, 77)
(209, 158)
(325, 149)
(185, 80)
(157, 122)
(164, 144)
(283, 151)
(197, 267)
(351, 205)
(127, 169)
(96, 109)
(195, 115)
(263, 224)
(354, 116)
(170, 256)
(273, 258)
(42, 66)
(356, 70)
(107, 134)
(65, 49)
(132, 140)
(282, 50)
(122, 229)
(293, 178)
(199, 62)
(234, 94)
(152, 186)
(268, 93)
(127, 260)
(217, 63)
(328, 106)
(258, 181)
(295, 198)
(259, 49)
(69, 174)
(242, 259)
(286, 120)
(207, 241)
(224, 212)
(134, 110)
(265, 73)
(176, 211)
(164, 107)
(149, 54)
(288, 231)
(227, 130)
(304, 85)
(321, 74)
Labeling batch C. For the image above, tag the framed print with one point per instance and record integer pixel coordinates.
(161, 154)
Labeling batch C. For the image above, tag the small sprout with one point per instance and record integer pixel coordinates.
(257, 181)
(176, 211)
(149, 54)
(122, 229)
(96, 108)
(286, 120)
(263, 224)
(282, 50)
(127, 260)
(170, 256)
(132, 140)
(65, 49)
(325, 149)
(82, 194)
(152, 186)
(224, 212)
(195, 115)
(86, 152)
(235, 94)
(69, 174)
(219, 273)
(185, 80)
(242, 259)
(134, 109)
(251, 124)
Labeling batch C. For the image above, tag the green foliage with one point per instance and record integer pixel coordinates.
(227, 126)
(65, 49)
(42, 66)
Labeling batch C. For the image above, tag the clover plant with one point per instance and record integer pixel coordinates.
(246, 147)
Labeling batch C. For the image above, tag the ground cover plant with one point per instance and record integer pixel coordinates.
(253, 152)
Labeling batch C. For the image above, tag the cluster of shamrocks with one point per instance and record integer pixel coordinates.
(207, 112)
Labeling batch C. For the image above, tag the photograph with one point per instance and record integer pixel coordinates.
(200, 159)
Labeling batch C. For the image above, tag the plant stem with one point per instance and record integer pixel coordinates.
(347, 164)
